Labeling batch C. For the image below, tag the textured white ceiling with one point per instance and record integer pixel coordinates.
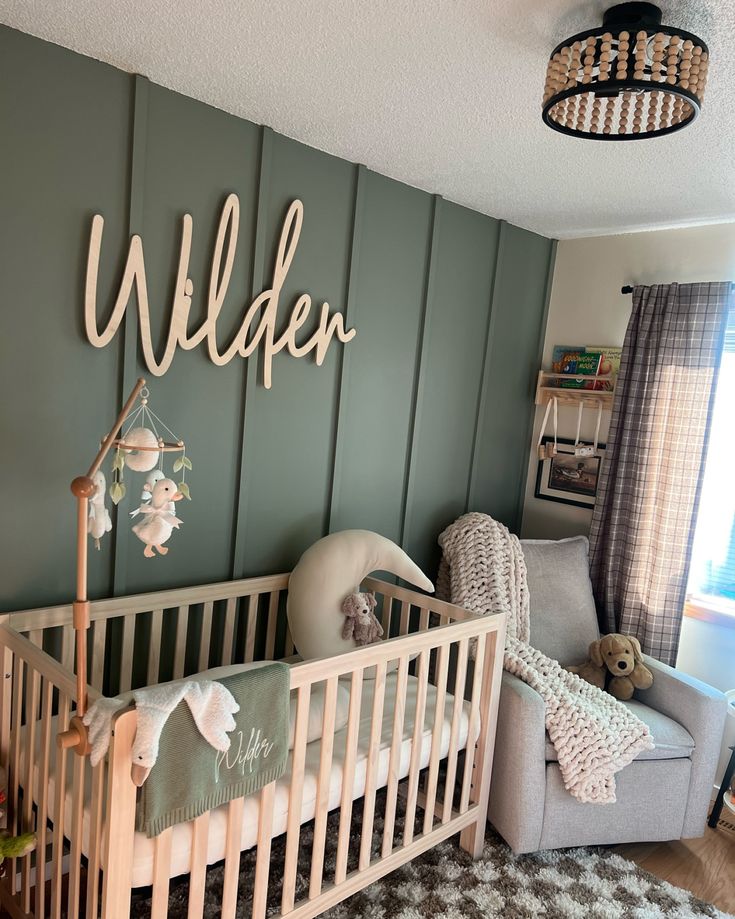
(442, 94)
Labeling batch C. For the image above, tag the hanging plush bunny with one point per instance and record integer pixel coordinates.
(158, 524)
(99, 521)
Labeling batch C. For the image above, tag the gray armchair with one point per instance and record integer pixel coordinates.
(663, 794)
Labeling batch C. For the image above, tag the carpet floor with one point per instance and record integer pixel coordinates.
(444, 883)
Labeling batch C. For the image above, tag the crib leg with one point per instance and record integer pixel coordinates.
(120, 812)
(472, 838)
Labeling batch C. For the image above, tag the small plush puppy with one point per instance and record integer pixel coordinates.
(616, 660)
(361, 624)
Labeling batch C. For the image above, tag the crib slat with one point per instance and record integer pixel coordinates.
(35, 636)
(295, 798)
(161, 874)
(251, 626)
(232, 857)
(95, 839)
(6, 698)
(229, 635)
(416, 743)
(33, 689)
(14, 823)
(57, 867)
(464, 801)
(395, 755)
(126, 659)
(270, 638)
(154, 648)
(423, 619)
(348, 775)
(198, 875)
(288, 649)
(322, 793)
(436, 736)
(405, 610)
(459, 685)
(97, 662)
(262, 859)
(206, 636)
(47, 697)
(67, 647)
(385, 618)
(76, 826)
(182, 617)
(376, 728)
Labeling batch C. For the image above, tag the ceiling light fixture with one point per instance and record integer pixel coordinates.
(630, 78)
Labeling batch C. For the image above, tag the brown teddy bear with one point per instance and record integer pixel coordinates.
(617, 660)
(361, 623)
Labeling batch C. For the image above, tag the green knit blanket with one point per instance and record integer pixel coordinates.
(190, 777)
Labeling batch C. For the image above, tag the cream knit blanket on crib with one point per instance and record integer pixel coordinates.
(595, 736)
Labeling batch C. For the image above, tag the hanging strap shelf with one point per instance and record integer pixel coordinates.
(547, 388)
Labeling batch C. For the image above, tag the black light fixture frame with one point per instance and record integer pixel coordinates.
(630, 17)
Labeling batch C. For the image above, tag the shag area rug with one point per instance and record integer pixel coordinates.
(444, 883)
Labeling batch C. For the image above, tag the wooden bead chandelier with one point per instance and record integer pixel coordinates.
(632, 77)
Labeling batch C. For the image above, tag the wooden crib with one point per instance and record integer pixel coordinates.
(435, 772)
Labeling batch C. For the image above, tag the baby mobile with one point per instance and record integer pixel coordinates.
(141, 448)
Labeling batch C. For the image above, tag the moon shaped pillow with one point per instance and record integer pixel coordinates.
(329, 571)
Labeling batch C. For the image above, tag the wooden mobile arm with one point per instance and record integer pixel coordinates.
(83, 488)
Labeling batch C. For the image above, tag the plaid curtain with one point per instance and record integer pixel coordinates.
(644, 517)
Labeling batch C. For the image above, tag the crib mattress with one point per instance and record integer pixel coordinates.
(181, 841)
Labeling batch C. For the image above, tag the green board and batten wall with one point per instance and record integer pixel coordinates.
(426, 413)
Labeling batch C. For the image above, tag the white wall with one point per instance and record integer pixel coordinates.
(587, 308)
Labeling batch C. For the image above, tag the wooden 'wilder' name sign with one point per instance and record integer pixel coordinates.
(258, 327)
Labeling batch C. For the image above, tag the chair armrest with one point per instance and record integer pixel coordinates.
(702, 710)
(518, 784)
(682, 697)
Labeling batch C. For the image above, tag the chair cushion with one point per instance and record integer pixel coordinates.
(563, 614)
(671, 739)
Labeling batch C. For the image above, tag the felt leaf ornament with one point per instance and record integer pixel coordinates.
(186, 461)
(118, 463)
(184, 489)
(117, 492)
(178, 465)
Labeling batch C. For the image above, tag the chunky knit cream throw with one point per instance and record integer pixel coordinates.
(483, 570)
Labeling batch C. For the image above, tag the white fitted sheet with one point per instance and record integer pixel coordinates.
(181, 837)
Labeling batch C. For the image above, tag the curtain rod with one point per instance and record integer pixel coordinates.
(627, 289)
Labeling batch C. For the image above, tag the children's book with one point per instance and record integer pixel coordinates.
(585, 360)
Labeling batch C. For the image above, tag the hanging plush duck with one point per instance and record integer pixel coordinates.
(99, 521)
(147, 493)
(159, 522)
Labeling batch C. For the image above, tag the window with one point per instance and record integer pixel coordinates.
(712, 574)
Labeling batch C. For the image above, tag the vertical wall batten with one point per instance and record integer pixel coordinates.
(129, 373)
(482, 395)
(482, 390)
(350, 319)
(251, 367)
(418, 389)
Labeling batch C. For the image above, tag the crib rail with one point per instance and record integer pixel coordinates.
(421, 780)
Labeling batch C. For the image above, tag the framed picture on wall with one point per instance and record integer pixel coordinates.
(567, 478)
